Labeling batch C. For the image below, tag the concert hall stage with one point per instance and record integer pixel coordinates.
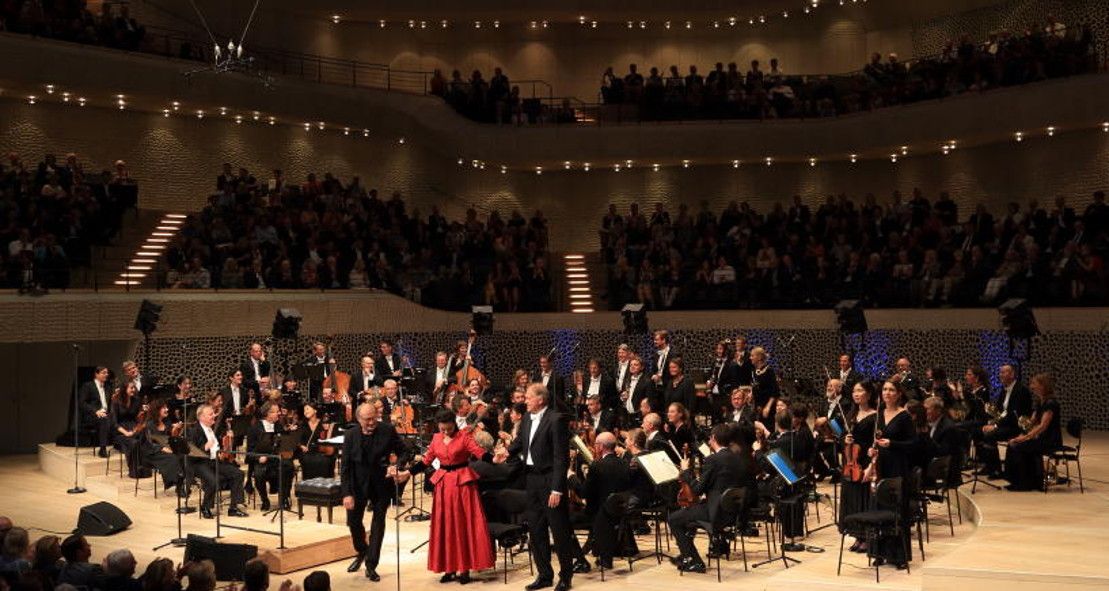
(1013, 541)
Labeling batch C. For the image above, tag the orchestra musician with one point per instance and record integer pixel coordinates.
(742, 411)
(598, 384)
(660, 363)
(144, 385)
(745, 370)
(510, 427)
(1012, 402)
(834, 411)
(893, 449)
(461, 406)
(313, 462)
(607, 475)
(679, 432)
(237, 400)
(264, 438)
(764, 384)
(622, 371)
(230, 476)
(95, 410)
(656, 438)
(161, 457)
(459, 537)
(1023, 464)
(862, 420)
(389, 398)
(182, 396)
(369, 479)
(972, 399)
(906, 377)
(848, 376)
(722, 470)
(441, 378)
(125, 409)
(554, 383)
(641, 486)
(679, 387)
(517, 387)
(459, 357)
(320, 356)
(725, 374)
(256, 369)
(389, 362)
(600, 418)
(366, 378)
(543, 449)
(637, 389)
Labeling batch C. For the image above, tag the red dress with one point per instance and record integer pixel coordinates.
(459, 538)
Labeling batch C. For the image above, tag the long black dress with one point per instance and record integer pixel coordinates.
(126, 415)
(1023, 466)
(895, 461)
(313, 463)
(764, 386)
(855, 496)
(152, 454)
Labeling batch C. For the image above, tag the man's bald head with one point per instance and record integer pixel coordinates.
(606, 441)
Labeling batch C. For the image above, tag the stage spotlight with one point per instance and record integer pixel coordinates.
(849, 314)
(286, 324)
(482, 319)
(1017, 319)
(635, 319)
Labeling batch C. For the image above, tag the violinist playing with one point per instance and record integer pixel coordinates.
(314, 461)
(230, 476)
(263, 438)
(608, 474)
(721, 470)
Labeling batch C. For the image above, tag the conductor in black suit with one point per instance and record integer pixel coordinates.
(94, 399)
(367, 479)
(608, 474)
(543, 448)
(722, 469)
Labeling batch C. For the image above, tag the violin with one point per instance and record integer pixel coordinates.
(686, 498)
(403, 417)
(227, 443)
(852, 471)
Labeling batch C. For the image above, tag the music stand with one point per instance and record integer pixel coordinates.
(661, 470)
(786, 472)
(182, 449)
(307, 372)
(283, 445)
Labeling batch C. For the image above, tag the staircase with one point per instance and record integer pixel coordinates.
(582, 282)
(131, 261)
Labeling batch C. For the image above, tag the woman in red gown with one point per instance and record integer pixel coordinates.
(459, 540)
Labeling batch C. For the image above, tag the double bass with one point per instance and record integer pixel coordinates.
(403, 416)
(467, 374)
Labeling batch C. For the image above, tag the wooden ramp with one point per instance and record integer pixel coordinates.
(307, 543)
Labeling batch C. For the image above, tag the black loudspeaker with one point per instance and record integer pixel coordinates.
(849, 314)
(286, 323)
(147, 319)
(102, 519)
(635, 319)
(482, 319)
(1018, 320)
(229, 559)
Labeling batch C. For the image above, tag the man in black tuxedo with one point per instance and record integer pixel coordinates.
(263, 438)
(834, 408)
(848, 375)
(638, 387)
(622, 372)
(205, 437)
(656, 437)
(608, 474)
(600, 418)
(724, 377)
(95, 401)
(909, 381)
(1013, 401)
(144, 385)
(367, 479)
(389, 362)
(236, 398)
(947, 438)
(722, 469)
(543, 448)
(366, 377)
(660, 361)
(597, 383)
(256, 369)
(439, 378)
(319, 356)
(556, 386)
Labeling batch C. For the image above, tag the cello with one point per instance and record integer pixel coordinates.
(467, 374)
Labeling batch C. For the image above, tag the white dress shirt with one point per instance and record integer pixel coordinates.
(103, 396)
(535, 419)
(257, 369)
(594, 388)
(629, 403)
(211, 435)
(621, 371)
(235, 400)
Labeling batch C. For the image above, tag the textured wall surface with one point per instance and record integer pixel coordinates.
(176, 160)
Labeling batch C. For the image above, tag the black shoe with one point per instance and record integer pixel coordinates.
(236, 512)
(287, 504)
(371, 574)
(447, 577)
(563, 585)
(581, 567)
(539, 584)
(356, 563)
(604, 564)
(464, 578)
(693, 566)
(643, 530)
(102, 453)
(751, 532)
(879, 561)
(265, 506)
(206, 513)
(902, 566)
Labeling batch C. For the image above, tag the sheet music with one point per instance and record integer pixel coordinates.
(658, 467)
(583, 449)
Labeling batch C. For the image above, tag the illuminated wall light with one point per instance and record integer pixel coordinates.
(642, 24)
(769, 161)
(666, 24)
(893, 157)
(256, 115)
(751, 21)
(1105, 126)
(49, 89)
(904, 150)
(176, 105)
(238, 119)
(120, 96)
(785, 14)
(401, 141)
(806, 10)
(762, 19)
(1050, 131)
(688, 24)
(735, 163)
(222, 111)
(545, 23)
(585, 166)
(461, 161)
(534, 24)
(335, 18)
(566, 165)
(423, 24)
(122, 105)
(474, 163)
(365, 133)
(477, 24)
(686, 163)
(1019, 136)
(716, 24)
(504, 169)
(65, 97)
(346, 131)
(594, 24)
(655, 167)
(31, 99)
(581, 20)
(481, 165)
(165, 112)
(812, 161)
(630, 24)
(381, 24)
(411, 24)
(854, 158)
(320, 125)
(731, 21)
(273, 120)
(538, 170)
(945, 149)
(200, 114)
(628, 163)
(443, 24)
(307, 127)
(81, 101)
(616, 168)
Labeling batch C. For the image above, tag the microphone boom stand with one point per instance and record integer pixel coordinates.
(77, 488)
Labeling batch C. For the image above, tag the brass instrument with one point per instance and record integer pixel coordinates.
(994, 412)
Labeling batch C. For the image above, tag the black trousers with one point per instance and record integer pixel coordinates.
(543, 523)
(168, 464)
(682, 524)
(372, 549)
(103, 428)
(268, 473)
(230, 478)
(988, 455)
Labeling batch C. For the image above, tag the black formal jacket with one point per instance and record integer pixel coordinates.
(550, 447)
(610, 474)
(382, 366)
(197, 438)
(644, 388)
(664, 370)
(947, 437)
(247, 367)
(1020, 405)
(363, 472)
(720, 471)
(356, 380)
(683, 392)
(607, 391)
(745, 370)
(727, 378)
(228, 404)
(556, 387)
(607, 423)
(254, 437)
(89, 398)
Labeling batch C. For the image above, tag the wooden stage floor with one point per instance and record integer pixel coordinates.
(1013, 541)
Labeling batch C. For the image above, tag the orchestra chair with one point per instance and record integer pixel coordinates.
(882, 519)
(918, 511)
(763, 512)
(153, 474)
(108, 460)
(731, 522)
(936, 488)
(620, 507)
(1069, 453)
(512, 534)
